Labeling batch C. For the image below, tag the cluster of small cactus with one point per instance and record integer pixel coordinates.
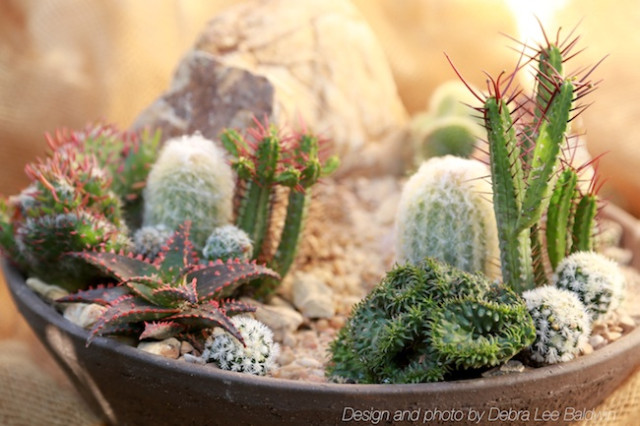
(228, 242)
(447, 127)
(190, 181)
(597, 281)
(264, 159)
(256, 356)
(445, 213)
(149, 240)
(562, 324)
(172, 294)
(428, 322)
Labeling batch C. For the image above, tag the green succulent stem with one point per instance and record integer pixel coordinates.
(559, 217)
(584, 224)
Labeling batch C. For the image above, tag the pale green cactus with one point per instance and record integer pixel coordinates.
(597, 281)
(149, 240)
(190, 181)
(256, 356)
(228, 242)
(445, 213)
(562, 324)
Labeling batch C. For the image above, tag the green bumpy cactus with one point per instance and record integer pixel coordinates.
(68, 207)
(228, 242)
(256, 356)
(427, 322)
(526, 139)
(445, 213)
(597, 281)
(562, 324)
(190, 181)
(264, 159)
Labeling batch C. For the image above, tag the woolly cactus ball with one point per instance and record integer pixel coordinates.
(228, 242)
(446, 213)
(149, 240)
(562, 324)
(597, 281)
(258, 355)
(191, 180)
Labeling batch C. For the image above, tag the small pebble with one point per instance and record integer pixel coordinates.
(626, 323)
(185, 348)
(169, 348)
(612, 336)
(586, 349)
(597, 341)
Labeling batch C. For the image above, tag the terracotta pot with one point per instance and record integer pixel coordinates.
(130, 387)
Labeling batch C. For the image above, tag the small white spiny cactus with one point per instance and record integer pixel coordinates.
(257, 357)
(562, 324)
(149, 240)
(446, 213)
(191, 180)
(228, 242)
(597, 281)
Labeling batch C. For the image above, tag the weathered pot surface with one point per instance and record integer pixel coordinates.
(130, 387)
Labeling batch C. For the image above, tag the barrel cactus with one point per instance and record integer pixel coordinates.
(597, 281)
(149, 240)
(562, 324)
(256, 356)
(445, 212)
(190, 181)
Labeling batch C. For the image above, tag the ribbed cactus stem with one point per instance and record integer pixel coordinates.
(584, 223)
(559, 217)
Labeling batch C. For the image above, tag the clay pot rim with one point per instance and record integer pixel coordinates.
(627, 343)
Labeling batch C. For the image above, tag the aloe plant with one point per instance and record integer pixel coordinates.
(172, 294)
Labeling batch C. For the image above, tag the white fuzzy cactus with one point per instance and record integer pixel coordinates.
(446, 213)
(149, 240)
(596, 280)
(228, 242)
(562, 324)
(257, 357)
(191, 180)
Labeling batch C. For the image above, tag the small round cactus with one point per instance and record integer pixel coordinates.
(597, 281)
(257, 357)
(445, 213)
(562, 324)
(149, 240)
(190, 181)
(228, 242)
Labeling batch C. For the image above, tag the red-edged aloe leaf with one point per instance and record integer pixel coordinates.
(142, 290)
(207, 315)
(127, 310)
(178, 255)
(161, 330)
(118, 265)
(219, 279)
(100, 295)
(169, 296)
(235, 307)
(123, 329)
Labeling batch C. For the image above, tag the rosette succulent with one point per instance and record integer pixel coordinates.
(169, 295)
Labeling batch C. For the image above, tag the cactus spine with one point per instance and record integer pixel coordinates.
(190, 181)
(445, 213)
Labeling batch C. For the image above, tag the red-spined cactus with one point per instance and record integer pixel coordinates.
(264, 159)
(69, 206)
(171, 294)
(126, 157)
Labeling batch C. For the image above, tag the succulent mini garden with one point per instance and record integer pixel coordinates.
(196, 249)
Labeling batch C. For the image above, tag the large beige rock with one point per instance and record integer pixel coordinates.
(316, 61)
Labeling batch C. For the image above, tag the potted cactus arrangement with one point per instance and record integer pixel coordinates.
(496, 287)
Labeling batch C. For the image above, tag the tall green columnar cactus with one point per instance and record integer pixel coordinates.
(192, 181)
(446, 213)
(68, 207)
(262, 161)
(427, 322)
(525, 145)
